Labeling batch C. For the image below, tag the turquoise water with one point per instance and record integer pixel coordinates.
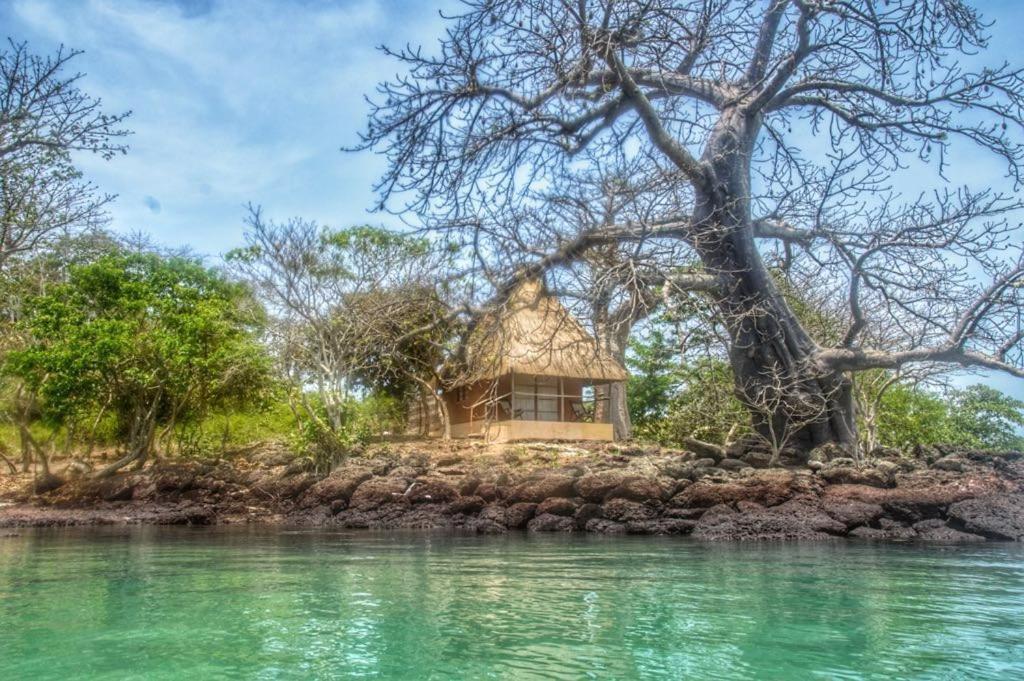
(177, 603)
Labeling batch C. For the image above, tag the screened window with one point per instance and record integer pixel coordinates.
(536, 398)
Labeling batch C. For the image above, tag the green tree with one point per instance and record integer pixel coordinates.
(151, 340)
(984, 417)
(653, 378)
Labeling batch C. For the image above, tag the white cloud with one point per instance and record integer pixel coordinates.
(245, 102)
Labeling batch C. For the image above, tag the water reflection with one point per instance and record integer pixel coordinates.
(246, 603)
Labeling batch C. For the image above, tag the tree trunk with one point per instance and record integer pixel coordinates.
(768, 345)
(622, 425)
(613, 337)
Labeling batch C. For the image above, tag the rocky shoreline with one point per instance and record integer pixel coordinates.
(931, 494)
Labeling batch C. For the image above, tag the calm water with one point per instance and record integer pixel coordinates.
(164, 603)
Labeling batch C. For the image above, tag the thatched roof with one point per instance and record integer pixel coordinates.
(533, 333)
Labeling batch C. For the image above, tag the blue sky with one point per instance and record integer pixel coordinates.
(232, 102)
(236, 102)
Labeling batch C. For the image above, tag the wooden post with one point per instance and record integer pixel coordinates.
(561, 399)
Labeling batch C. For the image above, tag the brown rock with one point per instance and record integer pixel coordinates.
(732, 464)
(852, 513)
(557, 506)
(338, 485)
(431, 490)
(517, 515)
(938, 530)
(603, 526)
(684, 513)
(917, 497)
(594, 487)
(586, 513)
(851, 475)
(767, 487)
(757, 458)
(624, 511)
(377, 492)
(950, 463)
(999, 516)
(795, 519)
(549, 522)
(661, 526)
(488, 491)
(538, 489)
(466, 505)
(639, 488)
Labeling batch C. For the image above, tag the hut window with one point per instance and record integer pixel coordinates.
(537, 398)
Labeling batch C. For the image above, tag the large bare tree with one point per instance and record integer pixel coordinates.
(784, 120)
(44, 117)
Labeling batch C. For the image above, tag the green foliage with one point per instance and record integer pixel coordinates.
(984, 417)
(978, 416)
(908, 416)
(653, 378)
(363, 420)
(705, 407)
(151, 340)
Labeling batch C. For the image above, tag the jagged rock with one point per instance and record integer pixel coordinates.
(676, 467)
(926, 453)
(468, 485)
(875, 533)
(852, 513)
(594, 487)
(173, 478)
(794, 457)
(300, 464)
(732, 464)
(793, 520)
(538, 489)
(557, 506)
(883, 452)
(995, 516)
(405, 472)
(603, 526)
(769, 487)
(757, 458)
(623, 510)
(548, 522)
(705, 462)
(636, 488)
(287, 487)
(829, 452)
(684, 513)
(431, 490)
(338, 485)
(337, 506)
(951, 462)
(661, 526)
(489, 491)
(918, 497)
(517, 515)
(851, 475)
(377, 492)
(744, 444)
(938, 530)
(466, 505)
(586, 513)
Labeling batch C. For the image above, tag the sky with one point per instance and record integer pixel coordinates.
(236, 102)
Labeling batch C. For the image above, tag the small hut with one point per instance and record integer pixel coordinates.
(530, 374)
